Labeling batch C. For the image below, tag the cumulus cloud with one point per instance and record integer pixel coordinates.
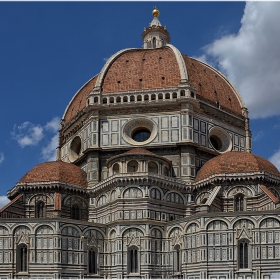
(49, 152)
(1, 157)
(27, 134)
(275, 159)
(53, 125)
(3, 201)
(251, 58)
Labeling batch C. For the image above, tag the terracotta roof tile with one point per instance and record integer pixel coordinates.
(56, 171)
(270, 194)
(211, 85)
(11, 202)
(236, 162)
(79, 101)
(139, 151)
(142, 69)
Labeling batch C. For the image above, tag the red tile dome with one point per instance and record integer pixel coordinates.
(236, 162)
(56, 171)
(145, 69)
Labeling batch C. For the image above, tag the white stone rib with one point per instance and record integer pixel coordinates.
(181, 63)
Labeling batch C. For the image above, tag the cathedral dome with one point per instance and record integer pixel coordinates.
(236, 162)
(136, 70)
(56, 171)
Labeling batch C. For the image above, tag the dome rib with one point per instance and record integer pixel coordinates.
(105, 68)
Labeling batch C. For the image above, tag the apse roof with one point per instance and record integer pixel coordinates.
(236, 162)
(56, 171)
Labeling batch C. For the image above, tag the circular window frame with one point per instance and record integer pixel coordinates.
(132, 126)
(223, 136)
(74, 153)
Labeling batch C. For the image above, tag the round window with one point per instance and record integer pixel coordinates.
(219, 139)
(75, 148)
(139, 131)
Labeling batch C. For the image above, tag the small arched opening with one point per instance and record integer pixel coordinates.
(116, 168)
(75, 212)
(152, 167)
(132, 166)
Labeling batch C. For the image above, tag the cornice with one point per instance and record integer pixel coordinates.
(53, 186)
(144, 178)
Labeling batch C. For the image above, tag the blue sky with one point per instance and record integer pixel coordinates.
(49, 50)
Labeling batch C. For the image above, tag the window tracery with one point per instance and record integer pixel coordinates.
(243, 254)
(239, 203)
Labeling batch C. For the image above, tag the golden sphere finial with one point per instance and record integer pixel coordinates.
(155, 12)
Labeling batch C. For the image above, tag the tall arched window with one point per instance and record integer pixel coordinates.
(40, 209)
(132, 258)
(154, 43)
(92, 261)
(239, 202)
(177, 259)
(75, 212)
(243, 254)
(22, 258)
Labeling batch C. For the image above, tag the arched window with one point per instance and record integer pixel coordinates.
(132, 257)
(152, 167)
(132, 166)
(243, 254)
(75, 212)
(239, 202)
(177, 259)
(22, 258)
(116, 168)
(40, 209)
(92, 261)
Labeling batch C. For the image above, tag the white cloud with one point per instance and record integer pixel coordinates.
(3, 201)
(1, 157)
(275, 159)
(53, 125)
(28, 134)
(251, 58)
(49, 152)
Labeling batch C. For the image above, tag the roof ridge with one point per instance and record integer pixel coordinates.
(10, 203)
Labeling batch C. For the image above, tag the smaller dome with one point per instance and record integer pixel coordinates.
(56, 171)
(236, 162)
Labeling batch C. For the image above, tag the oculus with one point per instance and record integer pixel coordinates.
(75, 148)
(220, 140)
(139, 131)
